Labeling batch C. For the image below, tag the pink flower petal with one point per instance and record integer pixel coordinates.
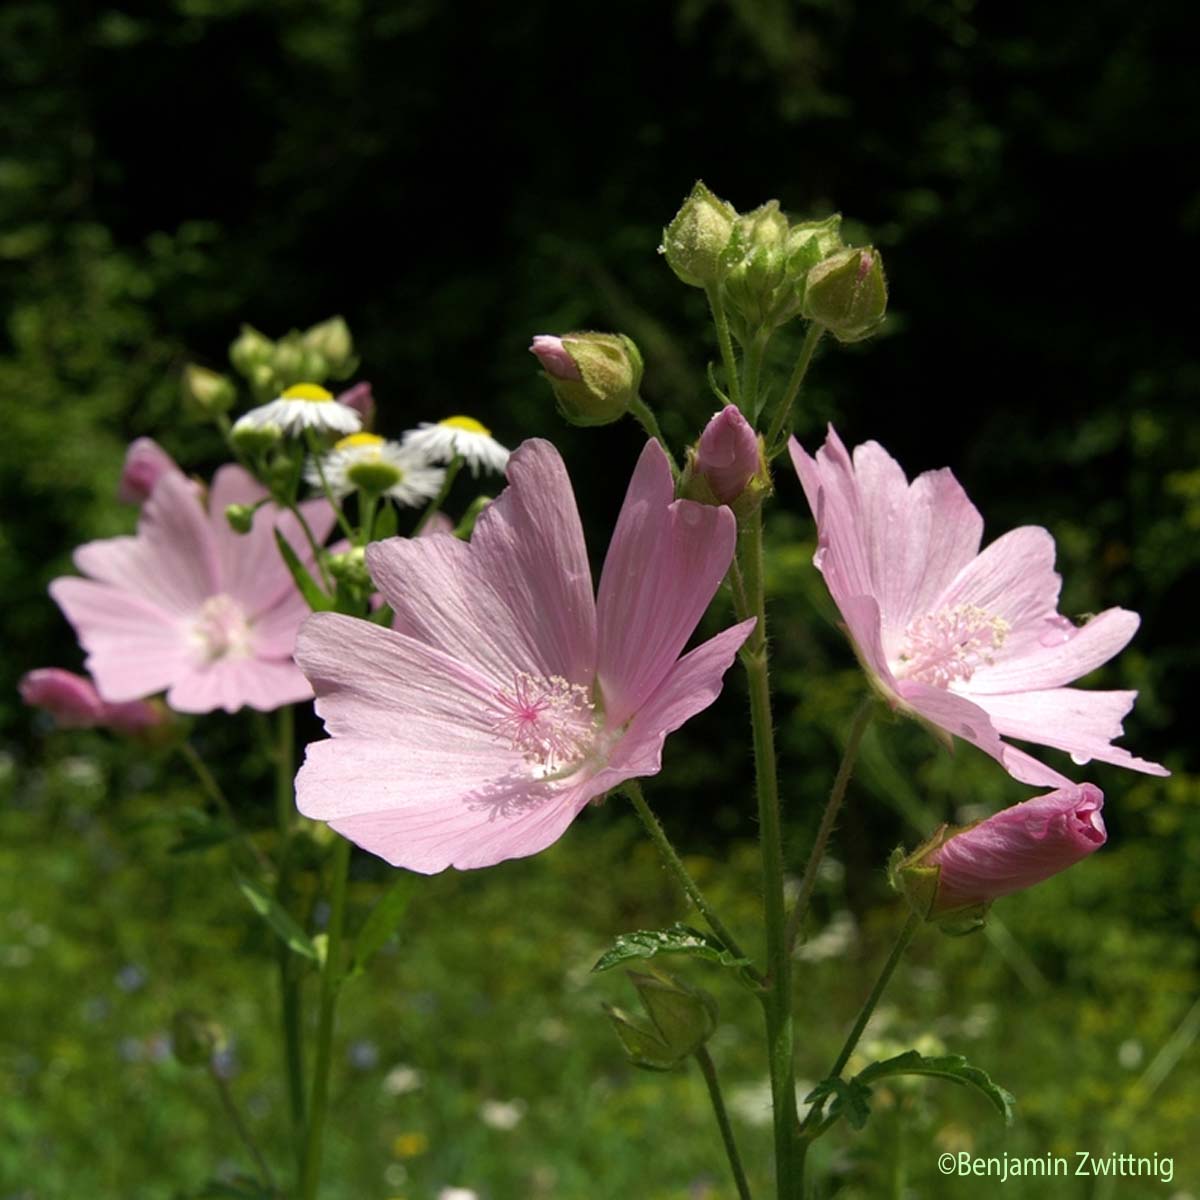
(70, 699)
(235, 683)
(666, 560)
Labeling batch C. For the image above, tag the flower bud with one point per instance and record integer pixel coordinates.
(253, 440)
(847, 293)
(206, 392)
(145, 462)
(695, 239)
(956, 875)
(362, 400)
(240, 517)
(249, 350)
(682, 1019)
(332, 341)
(727, 455)
(291, 363)
(350, 567)
(74, 703)
(758, 291)
(609, 372)
(195, 1038)
(643, 1046)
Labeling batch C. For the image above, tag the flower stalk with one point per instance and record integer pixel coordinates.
(709, 1070)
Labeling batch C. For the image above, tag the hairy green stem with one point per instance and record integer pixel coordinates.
(330, 986)
(709, 1070)
(784, 408)
(726, 344)
(658, 836)
(436, 503)
(862, 718)
(644, 414)
(777, 998)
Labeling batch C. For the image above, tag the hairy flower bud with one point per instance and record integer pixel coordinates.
(250, 349)
(145, 462)
(847, 293)
(695, 239)
(727, 455)
(206, 392)
(955, 876)
(608, 373)
(332, 341)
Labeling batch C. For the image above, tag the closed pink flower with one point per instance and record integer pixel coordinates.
(1018, 847)
(190, 607)
(145, 463)
(508, 696)
(554, 357)
(74, 703)
(727, 454)
(970, 641)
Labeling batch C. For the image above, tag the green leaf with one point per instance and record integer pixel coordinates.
(382, 921)
(317, 600)
(277, 917)
(679, 939)
(946, 1066)
(851, 1099)
(386, 522)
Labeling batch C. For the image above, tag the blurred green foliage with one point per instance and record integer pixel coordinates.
(453, 183)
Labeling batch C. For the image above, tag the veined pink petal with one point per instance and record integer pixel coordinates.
(171, 562)
(1080, 722)
(275, 629)
(1060, 654)
(1018, 847)
(134, 648)
(518, 596)
(666, 560)
(234, 683)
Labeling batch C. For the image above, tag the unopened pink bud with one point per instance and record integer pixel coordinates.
(438, 525)
(553, 355)
(362, 400)
(1018, 847)
(74, 703)
(145, 463)
(727, 454)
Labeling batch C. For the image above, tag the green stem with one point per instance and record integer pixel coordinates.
(212, 789)
(649, 422)
(235, 1117)
(784, 408)
(658, 836)
(317, 454)
(753, 371)
(296, 511)
(291, 1000)
(862, 718)
(709, 1071)
(726, 344)
(368, 504)
(777, 999)
(330, 985)
(436, 503)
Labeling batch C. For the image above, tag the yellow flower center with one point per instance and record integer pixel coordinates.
(358, 439)
(307, 391)
(468, 424)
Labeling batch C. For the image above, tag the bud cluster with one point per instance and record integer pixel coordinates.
(322, 352)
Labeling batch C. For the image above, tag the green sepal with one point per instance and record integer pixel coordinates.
(386, 522)
(678, 939)
(943, 1066)
(279, 919)
(382, 921)
(317, 599)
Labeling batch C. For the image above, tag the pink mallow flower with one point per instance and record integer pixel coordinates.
(192, 607)
(970, 641)
(727, 454)
(1017, 848)
(507, 697)
(145, 462)
(74, 703)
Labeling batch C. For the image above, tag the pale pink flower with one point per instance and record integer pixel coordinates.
(970, 641)
(507, 696)
(1018, 847)
(74, 703)
(360, 398)
(727, 454)
(554, 357)
(192, 607)
(145, 462)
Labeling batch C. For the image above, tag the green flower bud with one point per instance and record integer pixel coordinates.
(331, 340)
(643, 1046)
(595, 376)
(240, 517)
(847, 293)
(808, 243)
(195, 1038)
(695, 239)
(757, 288)
(682, 1019)
(253, 440)
(206, 392)
(250, 349)
(290, 363)
(350, 568)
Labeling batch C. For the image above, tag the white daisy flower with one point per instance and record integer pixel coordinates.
(371, 463)
(458, 435)
(300, 407)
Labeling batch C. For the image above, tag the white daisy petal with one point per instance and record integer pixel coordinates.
(367, 460)
(300, 407)
(458, 435)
